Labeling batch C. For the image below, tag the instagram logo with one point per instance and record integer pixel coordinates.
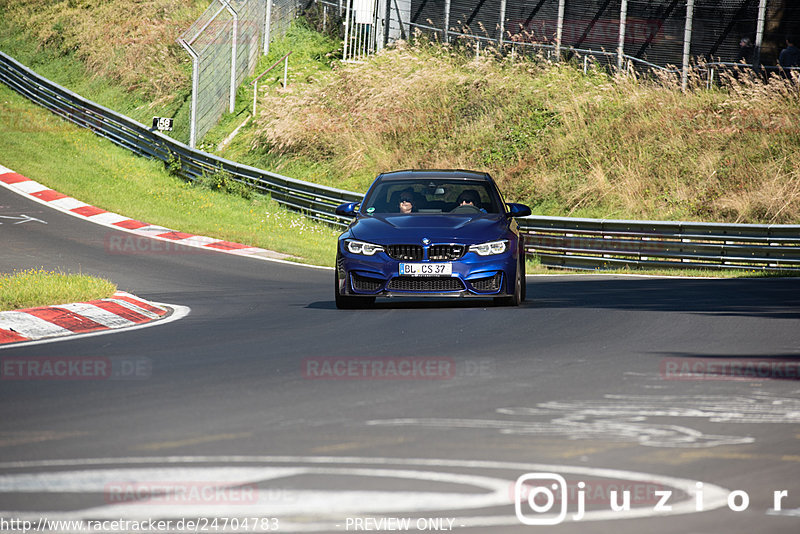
(538, 491)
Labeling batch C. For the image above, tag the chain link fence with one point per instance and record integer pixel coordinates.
(669, 35)
(283, 13)
(224, 44)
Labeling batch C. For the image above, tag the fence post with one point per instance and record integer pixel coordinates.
(446, 35)
(387, 22)
(267, 26)
(346, 31)
(502, 22)
(255, 96)
(234, 43)
(687, 43)
(762, 15)
(623, 19)
(559, 28)
(195, 85)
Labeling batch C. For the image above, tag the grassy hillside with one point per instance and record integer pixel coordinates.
(121, 54)
(564, 142)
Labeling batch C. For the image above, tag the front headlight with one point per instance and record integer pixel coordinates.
(360, 247)
(488, 249)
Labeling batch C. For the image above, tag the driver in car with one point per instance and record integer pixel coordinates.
(469, 197)
(406, 202)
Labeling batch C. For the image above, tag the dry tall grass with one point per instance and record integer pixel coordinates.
(564, 142)
(130, 43)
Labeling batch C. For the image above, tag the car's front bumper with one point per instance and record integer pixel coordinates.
(472, 276)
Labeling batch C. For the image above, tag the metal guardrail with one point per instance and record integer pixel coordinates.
(556, 241)
(317, 201)
(598, 244)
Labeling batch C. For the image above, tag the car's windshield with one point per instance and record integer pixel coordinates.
(431, 196)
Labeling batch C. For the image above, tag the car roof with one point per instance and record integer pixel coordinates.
(450, 174)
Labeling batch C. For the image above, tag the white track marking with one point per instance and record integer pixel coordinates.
(625, 418)
(106, 219)
(68, 203)
(133, 308)
(98, 315)
(29, 187)
(30, 326)
(325, 509)
(178, 312)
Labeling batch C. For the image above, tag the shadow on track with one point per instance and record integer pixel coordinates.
(402, 303)
(777, 298)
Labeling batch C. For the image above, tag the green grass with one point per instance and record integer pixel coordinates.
(31, 288)
(90, 168)
(65, 63)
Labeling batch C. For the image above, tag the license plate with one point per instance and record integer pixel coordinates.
(426, 269)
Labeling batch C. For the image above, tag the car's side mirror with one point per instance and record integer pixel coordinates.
(518, 210)
(348, 209)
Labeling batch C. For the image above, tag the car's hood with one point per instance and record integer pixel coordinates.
(388, 229)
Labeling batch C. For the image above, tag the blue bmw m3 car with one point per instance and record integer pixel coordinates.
(431, 233)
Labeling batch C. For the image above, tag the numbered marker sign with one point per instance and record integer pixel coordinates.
(162, 124)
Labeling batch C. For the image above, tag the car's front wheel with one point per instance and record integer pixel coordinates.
(518, 295)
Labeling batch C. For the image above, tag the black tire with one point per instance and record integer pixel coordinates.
(345, 302)
(519, 289)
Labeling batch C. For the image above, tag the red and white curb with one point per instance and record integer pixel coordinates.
(80, 319)
(177, 240)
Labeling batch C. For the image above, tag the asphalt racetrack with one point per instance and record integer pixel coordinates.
(266, 405)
